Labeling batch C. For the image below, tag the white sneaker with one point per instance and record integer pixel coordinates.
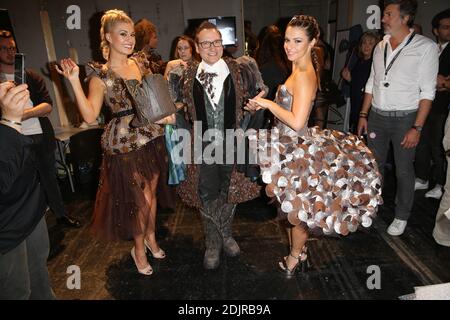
(447, 214)
(435, 193)
(420, 184)
(397, 227)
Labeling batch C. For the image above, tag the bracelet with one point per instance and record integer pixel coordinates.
(363, 114)
(11, 121)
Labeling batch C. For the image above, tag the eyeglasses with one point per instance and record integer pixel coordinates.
(3, 48)
(207, 44)
(183, 48)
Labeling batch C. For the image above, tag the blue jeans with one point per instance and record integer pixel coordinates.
(23, 270)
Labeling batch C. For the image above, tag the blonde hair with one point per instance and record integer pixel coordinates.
(109, 19)
(367, 35)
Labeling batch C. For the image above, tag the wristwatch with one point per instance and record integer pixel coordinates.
(418, 128)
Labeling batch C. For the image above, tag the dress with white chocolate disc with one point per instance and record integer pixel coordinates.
(324, 178)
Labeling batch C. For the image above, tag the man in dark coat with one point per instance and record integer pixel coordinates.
(37, 126)
(214, 92)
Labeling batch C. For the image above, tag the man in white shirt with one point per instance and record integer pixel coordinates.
(398, 94)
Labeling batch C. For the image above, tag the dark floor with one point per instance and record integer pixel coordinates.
(339, 265)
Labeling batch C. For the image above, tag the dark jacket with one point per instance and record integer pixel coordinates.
(236, 90)
(38, 95)
(22, 202)
(442, 98)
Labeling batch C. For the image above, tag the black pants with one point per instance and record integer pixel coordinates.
(214, 179)
(46, 164)
(430, 163)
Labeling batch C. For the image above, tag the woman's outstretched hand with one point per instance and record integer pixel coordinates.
(167, 120)
(69, 69)
(257, 103)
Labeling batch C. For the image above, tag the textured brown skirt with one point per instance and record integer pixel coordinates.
(121, 208)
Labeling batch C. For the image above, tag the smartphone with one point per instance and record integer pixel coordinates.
(19, 68)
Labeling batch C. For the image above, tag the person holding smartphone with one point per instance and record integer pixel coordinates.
(24, 243)
(37, 126)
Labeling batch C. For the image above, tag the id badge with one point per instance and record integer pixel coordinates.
(384, 84)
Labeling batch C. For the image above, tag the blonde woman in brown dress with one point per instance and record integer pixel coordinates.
(135, 159)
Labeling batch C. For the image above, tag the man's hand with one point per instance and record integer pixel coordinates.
(257, 103)
(411, 139)
(167, 120)
(447, 153)
(346, 75)
(443, 83)
(440, 83)
(362, 126)
(13, 100)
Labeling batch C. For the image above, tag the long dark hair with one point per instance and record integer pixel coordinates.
(195, 55)
(312, 30)
(271, 49)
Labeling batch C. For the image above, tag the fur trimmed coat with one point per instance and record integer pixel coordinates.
(243, 84)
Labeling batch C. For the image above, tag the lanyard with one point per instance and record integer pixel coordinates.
(386, 70)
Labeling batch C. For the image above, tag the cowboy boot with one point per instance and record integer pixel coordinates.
(226, 212)
(213, 239)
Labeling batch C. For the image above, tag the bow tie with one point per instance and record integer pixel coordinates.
(206, 79)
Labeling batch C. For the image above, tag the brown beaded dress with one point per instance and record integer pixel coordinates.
(324, 178)
(132, 157)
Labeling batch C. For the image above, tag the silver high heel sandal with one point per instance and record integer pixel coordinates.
(158, 255)
(146, 271)
(302, 263)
